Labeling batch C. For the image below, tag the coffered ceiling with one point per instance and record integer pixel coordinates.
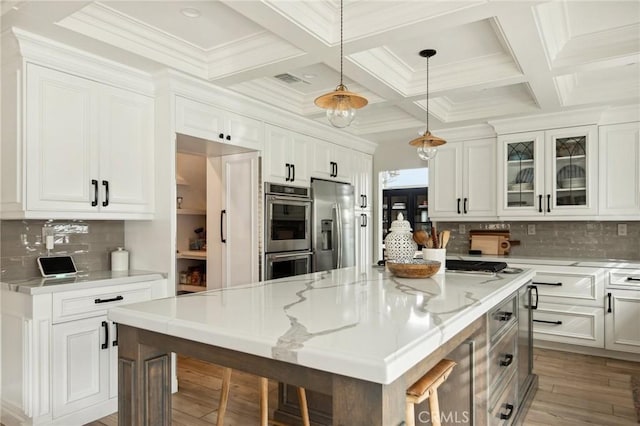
(496, 59)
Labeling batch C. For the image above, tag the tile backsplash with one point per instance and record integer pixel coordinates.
(589, 240)
(88, 242)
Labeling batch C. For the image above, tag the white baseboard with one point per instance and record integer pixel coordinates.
(586, 350)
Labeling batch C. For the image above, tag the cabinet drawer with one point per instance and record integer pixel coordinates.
(96, 301)
(569, 284)
(502, 317)
(625, 278)
(502, 361)
(578, 325)
(506, 405)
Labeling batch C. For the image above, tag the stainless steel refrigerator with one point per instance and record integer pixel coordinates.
(333, 224)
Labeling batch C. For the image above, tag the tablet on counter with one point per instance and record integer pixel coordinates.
(56, 266)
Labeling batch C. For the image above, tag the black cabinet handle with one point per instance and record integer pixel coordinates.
(633, 279)
(534, 288)
(548, 322)
(336, 173)
(293, 174)
(550, 284)
(95, 192)
(507, 416)
(458, 205)
(105, 183)
(115, 341)
(363, 219)
(334, 169)
(548, 203)
(105, 345)
(228, 137)
(466, 200)
(221, 135)
(366, 221)
(508, 359)
(540, 203)
(222, 214)
(504, 316)
(366, 201)
(288, 178)
(609, 310)
(113, 299)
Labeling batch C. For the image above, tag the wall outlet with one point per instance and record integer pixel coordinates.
(462, 229)
(622, 229)
(531, 229)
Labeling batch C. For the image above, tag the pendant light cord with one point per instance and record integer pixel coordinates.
(427, 96)
(341, 54)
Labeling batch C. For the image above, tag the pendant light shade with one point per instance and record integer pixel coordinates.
(427, 143)
(341, 105)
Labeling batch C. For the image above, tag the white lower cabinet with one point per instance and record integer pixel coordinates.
(364, 239)
(60, 352)
(80, 364)
(622, 320)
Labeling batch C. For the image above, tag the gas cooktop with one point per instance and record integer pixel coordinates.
(474, 265)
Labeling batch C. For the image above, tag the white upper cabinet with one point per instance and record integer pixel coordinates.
(207, 122)
(619, 172)
(462, 181)
(89, 149)
(285, 157)
(548, 173)
(331, 161)
(361, 168)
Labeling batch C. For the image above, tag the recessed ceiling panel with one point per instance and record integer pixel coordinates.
(619, 84)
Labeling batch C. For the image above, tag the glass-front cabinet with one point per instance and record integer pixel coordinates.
(411, 202)
(548, 173)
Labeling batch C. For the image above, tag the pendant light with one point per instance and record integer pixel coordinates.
(341, 105)
(427, 143)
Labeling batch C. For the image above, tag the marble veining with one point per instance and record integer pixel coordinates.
(362, 323)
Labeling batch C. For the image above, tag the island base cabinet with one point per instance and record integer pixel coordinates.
(622, 320)
(506, 406)
(578, 325)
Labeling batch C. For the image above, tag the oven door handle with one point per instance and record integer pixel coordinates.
(289, 256)
(292, 200)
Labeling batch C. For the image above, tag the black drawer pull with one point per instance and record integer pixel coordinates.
(507, 416)
(105, 345)
(633, 279)
(503, 316)
(548, 322)
(551, 284)
(508, 359)
(113, 299)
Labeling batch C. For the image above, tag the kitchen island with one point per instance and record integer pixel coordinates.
(360, 336)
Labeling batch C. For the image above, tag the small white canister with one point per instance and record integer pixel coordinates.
(120, 260)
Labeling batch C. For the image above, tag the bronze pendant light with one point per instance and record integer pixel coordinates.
(426, 144)
(341, 105)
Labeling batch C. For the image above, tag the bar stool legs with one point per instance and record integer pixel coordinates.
(264, 400)
(427, 387)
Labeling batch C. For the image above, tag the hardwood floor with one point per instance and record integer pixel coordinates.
(574, 389)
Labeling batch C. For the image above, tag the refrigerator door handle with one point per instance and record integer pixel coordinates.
(338, 210)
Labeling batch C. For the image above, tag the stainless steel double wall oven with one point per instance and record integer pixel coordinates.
(287, 231)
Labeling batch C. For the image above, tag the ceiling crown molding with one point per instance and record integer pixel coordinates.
(44, 51)
(466, 133)
(580, 117)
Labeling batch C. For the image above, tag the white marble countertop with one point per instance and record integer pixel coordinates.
(363, 324)
(33, 286)
(537, 260)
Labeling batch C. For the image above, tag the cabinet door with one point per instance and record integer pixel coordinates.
(571, 171)
(80, 364)
(126, 151)
(199, 120)
(277, 155)
(322, 162)
(113, 359)
(364, 239)
(619, 170)
(521, 174)
(622, 316)
(479, 182)
(299, 149)
(341, 156)
(62, 160)
(361, 166)
(244, 131)
(445, 179)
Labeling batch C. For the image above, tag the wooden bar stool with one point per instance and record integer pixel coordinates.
(264, 400)
(427, 387)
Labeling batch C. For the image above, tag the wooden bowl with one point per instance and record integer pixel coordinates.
(416, 268)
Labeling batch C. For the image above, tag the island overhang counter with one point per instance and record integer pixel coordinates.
(359, 335)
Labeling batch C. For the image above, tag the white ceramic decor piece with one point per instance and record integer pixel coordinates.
(436, 254)
(399, 244)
